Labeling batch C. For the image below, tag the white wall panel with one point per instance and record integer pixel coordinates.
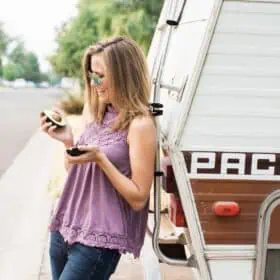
(223, 106)
(181, 60)
(237, 101)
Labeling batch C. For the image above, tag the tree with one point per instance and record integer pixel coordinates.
(17, 55)
(97, 19)
(31, 67)
(72, 39)
(12, 71)
(4, 41)
(133, 18)
(22, 64)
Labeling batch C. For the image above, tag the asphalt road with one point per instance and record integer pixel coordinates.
(19, 119)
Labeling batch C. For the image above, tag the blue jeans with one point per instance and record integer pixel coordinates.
(80, 262)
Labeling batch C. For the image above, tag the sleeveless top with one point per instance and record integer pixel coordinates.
(90, 210)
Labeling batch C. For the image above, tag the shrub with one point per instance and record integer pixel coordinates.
(72, 103)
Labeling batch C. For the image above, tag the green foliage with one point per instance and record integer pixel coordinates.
(17, 55)
(12, 71)
(22, 64)
(97, 19)
(4, 40)
(73, 38)
(31, 67)
(133, 18)
(1, 67)
(72, 103)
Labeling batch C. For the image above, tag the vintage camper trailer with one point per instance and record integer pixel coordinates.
(216, 72)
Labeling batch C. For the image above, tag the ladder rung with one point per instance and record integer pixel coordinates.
(168, 86)
(161, 26)
(171, 87)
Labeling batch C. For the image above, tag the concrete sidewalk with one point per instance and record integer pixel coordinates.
(25, 210)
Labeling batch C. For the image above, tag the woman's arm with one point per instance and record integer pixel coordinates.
(142, 148)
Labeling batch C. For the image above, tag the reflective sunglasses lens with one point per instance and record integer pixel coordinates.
(96, 80)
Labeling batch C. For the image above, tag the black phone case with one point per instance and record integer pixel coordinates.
(74, 152)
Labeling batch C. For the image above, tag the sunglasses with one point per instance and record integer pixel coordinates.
(94, 78)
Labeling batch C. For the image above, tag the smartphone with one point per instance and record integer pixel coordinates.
(74, 152)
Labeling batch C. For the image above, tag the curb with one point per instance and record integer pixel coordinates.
(26, 206)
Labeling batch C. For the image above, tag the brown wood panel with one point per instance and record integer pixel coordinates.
(224, 196)
(229, 186)
(224, 237)
(232, 226)
(233, 230)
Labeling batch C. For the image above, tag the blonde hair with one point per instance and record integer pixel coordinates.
(128, 76)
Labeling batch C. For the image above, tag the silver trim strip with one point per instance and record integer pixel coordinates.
(230, 252)
(273, 246)
(267, 207)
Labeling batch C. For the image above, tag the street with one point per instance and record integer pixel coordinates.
(19, 119)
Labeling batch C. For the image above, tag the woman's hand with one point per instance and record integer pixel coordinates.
(91, 154)
(63, 134)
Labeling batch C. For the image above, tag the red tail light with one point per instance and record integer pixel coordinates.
(175, 210)
(169, 182)
(176, 213)
(226, 208)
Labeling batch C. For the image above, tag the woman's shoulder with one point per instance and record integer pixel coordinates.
(142, 122)
(141, 126)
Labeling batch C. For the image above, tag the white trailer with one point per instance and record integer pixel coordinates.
(216, 70)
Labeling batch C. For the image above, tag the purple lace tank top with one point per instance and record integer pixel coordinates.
(90, 210)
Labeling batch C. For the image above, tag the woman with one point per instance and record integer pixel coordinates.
(103, 209)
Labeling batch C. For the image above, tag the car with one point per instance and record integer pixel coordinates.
(19, 83)
(44, 85)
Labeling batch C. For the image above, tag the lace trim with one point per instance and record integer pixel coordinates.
(74, 234)
(101, 134)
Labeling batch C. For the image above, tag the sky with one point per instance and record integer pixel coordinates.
(35, 21)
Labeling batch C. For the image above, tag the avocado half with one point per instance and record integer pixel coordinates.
(55, 118)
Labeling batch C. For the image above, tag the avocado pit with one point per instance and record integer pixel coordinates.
(54, 118)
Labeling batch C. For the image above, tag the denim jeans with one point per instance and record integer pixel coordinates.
(80, 262)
